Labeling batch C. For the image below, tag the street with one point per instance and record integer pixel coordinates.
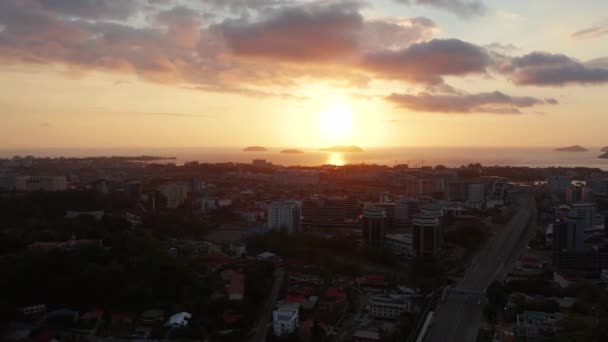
(261, 328)
(459, 316)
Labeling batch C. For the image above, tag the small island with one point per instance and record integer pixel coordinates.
(604, 149)
(292, 151)
(342, 149)
(255, 149)
(575, 148)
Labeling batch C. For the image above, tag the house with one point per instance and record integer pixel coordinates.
(178, 320)
(373, 281)
(285, 321)
(536, 326)
(92, 316)
(312, 330)
(267, 256)
(33, 310)
(334, 298)
(564, 279)
(310, 303)
(238, 248)
(231, 318)
(122, 318)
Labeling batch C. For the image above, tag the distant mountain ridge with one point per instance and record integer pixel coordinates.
(255, 149)
(574, 148)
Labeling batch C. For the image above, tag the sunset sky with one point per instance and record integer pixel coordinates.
(303, 73)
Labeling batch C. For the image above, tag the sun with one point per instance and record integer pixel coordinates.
(336, 122)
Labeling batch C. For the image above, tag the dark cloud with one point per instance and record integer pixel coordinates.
(464, 8)
(591, 32)
(546, 69)
(601, 62)
(494, 102)
(95, 9)
(301, 33)
(243, 6)
(320, 33)
(429, 62)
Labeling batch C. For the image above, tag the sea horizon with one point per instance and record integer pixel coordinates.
(413, 156)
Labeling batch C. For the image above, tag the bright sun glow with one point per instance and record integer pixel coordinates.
(336, 122)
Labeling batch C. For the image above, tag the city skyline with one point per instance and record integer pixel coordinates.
(388, 73)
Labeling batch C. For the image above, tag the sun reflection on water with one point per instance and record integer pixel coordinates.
(335, 158)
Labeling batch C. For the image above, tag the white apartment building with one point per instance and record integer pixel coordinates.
(285, 216)
(389, 307)
(176, 193)
(476, 195)
(285, 321)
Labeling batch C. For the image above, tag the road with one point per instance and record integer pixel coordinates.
(350, 325)
(460, 315)
(261, 327)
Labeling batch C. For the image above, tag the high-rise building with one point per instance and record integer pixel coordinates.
(384, 197)
(330, 213)
(476, 197)
(584, 214)
(405, 209)
(578, 193)
(374, 226)
(598, 184)
(568, 234)
(285, 216)
(558, 184)
(427, 235)
(457, 191)
(389, 208)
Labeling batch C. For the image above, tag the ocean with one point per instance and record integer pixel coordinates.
(415, 156)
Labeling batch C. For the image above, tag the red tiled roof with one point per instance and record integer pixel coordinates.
(123, 317)
(293, 299)
(232, 318)
(95, 314)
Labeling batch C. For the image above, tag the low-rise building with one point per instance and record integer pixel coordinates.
(40, 183)
(535, 326)
(178, 320)
(285, 321)
(389, 307)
